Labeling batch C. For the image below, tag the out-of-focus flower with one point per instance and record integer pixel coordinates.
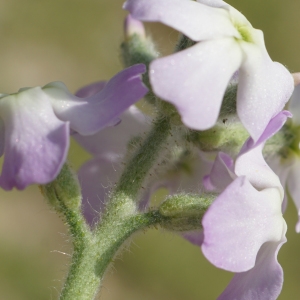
(195, 79)
(98, 175)
(244, 228)
(109, 146)
(35, 124)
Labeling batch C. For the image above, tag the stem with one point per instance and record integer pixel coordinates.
(81, 236)
(144, 158)
(88, 269)
(93, 255)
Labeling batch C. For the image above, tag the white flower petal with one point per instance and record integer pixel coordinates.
(263, 282)
(264, 87)
(195, 20)
(194, 80)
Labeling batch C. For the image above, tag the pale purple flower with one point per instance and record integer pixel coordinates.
(244, 228)
(109, 146)
(195, 79)
(98, 176)
(35, 124)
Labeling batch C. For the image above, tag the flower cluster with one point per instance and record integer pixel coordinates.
(225, 42)
(218, 90)
(247, 212)
(244, 228)
(36, 124)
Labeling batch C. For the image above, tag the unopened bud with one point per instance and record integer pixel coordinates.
(184, 212)
(63, 193)
(134, 27)
(137, 48)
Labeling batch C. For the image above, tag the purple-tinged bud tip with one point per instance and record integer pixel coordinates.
(133, 26)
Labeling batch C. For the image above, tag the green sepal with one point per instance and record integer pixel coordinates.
(139, 50)
(184, 212)
(64, 191)
(227, 136)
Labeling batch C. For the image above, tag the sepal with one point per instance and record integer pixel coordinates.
(63, 193)
(184, 212)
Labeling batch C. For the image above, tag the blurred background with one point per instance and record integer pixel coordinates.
(77, 42)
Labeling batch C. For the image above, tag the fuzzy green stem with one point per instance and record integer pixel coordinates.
(93, 259)
(81, 236)
(143, 159)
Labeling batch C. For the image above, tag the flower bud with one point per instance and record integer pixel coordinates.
(134, 27)
(137, 48)
(184, 212)
(63, 193)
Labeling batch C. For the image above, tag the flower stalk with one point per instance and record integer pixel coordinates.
(95, 250)
(91, 261)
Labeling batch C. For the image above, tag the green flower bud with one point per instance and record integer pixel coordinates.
(63, 193)
(184, 212)
(227, 136)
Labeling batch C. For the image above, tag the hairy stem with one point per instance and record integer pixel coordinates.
(143, 159)
(92, 260)
(93, 255)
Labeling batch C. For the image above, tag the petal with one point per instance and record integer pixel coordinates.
(194, 80)
(272, 128)
(214, 3)
(238, 222)
(89, 115)
(221, 174)
(91, 89)
(253, 165)
(250, 161)
(293, 185)
(281, 167)
(36, 142)
(263, 282)
(264, 88)
(194, 237)
(195, 20)
(97, 177)
(115, 139)
(294, 105)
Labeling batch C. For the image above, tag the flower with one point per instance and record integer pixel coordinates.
(244, 228)
(98, 175)
(36, 122)
(195, 79)
(109, 146)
